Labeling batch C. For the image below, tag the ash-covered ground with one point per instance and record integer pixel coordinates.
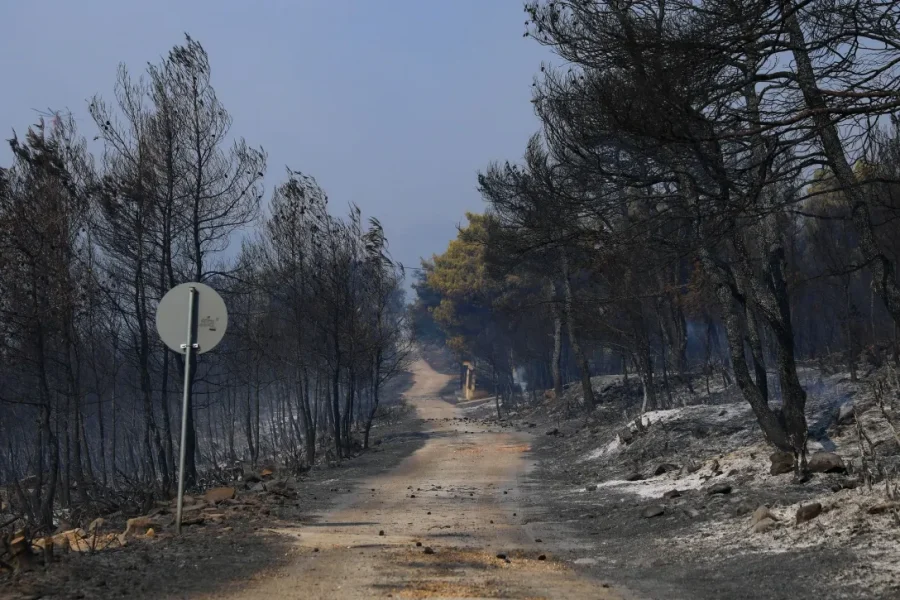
(682, 503)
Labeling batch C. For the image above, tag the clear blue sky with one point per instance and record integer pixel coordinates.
(392, 104)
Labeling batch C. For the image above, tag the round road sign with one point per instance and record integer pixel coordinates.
(211, 317)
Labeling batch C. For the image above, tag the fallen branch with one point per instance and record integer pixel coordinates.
(880, 391)
(10, 522)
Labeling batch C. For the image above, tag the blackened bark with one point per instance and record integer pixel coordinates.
(556, 359)
(583, 365)
(883, 270)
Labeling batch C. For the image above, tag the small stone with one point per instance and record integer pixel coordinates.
(665, 468)
(538, 540)
(634, 476)
(764, 525)
(808, 512)
(672, 494)
(782, 462)
(216, 495)
(135, 525)
(826, 462)
(719, 488)
(418, 544)
(501, 555)
(96, 525)
(692, 512)
(844, 413)
(590, 488)
(381, 532)
(653, 511)
(315, 549)
(151, 533)
(743, 508)
(883, 508)
(428, 550)
(805, 477)
(761, 513)
(693, 466)
(847, 484)
(542, 557)
(278, 484)
(412, 495)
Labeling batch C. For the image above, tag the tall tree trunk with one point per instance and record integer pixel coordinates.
(733, 307)
(681, 324)
(348, 406)
(336, 407)
(556, 360)
(664, 342)
(46, 500)
(851, 338)
(882, 267)
(74, 400)
(168, 447)
(248, 422)
(256, 419)
(101, 423)
(309, 419)
(583, 364)
(66, 492)
(376, 384)
(48, 497)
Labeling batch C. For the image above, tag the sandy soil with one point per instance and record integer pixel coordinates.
(458, 495)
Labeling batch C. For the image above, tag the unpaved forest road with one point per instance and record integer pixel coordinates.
(458, 480)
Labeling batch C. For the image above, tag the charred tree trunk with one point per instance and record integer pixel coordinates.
(168, 448)
(376, 384)
(584, 366)
(556, 360)
(883, 270)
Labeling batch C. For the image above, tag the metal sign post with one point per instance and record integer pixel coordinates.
(188, 346)
(182, 331)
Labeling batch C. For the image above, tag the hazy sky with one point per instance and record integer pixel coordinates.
(392, 104)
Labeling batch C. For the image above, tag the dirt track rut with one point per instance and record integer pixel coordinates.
(456, 495)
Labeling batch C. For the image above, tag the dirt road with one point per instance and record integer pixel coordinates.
(458, 497)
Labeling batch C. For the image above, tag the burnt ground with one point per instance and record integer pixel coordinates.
(703, 545)
(552, 478)
(436, 511)
(646, 556)
(241, 548)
